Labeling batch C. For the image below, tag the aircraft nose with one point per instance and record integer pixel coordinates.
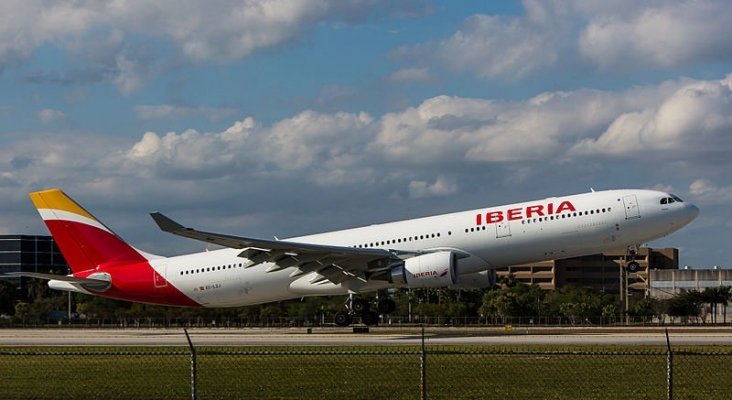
(692, 212)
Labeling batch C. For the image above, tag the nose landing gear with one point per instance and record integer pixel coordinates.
(632, 266)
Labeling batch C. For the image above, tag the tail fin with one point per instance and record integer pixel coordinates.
(84, 241)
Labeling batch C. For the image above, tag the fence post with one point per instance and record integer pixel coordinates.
(669, 369)
(193, 365)
(423, 369)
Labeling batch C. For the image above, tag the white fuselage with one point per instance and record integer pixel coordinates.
(488, 238)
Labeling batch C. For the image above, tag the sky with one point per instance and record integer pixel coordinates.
(285, 117)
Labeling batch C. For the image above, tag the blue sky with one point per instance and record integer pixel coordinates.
(287, 117)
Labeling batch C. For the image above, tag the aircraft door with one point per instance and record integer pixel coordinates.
(503, 229)
(631, 206)
(159, 278)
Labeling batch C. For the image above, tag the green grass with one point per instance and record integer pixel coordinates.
(372, 372)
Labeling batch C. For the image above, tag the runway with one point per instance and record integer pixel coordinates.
(345, 337)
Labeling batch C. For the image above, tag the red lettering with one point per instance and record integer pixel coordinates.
(530, 210)
(565, 206)
(493, 217)
(514, 214)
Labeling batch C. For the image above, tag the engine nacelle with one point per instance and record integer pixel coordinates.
(478, 280)
(437, 269)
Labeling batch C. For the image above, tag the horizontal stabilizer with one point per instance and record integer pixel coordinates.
(97, 285)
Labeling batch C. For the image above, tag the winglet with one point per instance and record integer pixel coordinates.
(166, 224)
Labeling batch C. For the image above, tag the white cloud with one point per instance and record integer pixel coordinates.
(666, 34)
(441, 187)
(479, 130)
(410, 75)
(494, 47)
(173, 111)
(323, 148)
(663, 188)
(709, 193)
(48, 116)
(625, 35)
(695, 119)
(115, 39)
(428, 145)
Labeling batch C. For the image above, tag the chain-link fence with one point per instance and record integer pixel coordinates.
(433, 372)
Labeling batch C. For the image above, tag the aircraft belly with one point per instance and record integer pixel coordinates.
(303, 286)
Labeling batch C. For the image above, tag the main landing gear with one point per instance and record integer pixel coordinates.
(363, 308)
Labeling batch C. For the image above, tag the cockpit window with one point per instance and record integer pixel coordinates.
(672, 199)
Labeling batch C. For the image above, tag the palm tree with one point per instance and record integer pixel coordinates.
(725, 293)
(714, 296)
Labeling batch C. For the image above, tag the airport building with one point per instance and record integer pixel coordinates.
(599, 271)
(30, 253)
(666, 284)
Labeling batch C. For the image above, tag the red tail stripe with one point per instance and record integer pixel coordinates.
(85, 247)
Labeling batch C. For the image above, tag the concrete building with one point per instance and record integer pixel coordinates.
(598, 271)
(666, 284)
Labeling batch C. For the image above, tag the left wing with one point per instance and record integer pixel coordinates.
(337, 264)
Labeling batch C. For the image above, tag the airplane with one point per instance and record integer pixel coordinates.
(456, 250)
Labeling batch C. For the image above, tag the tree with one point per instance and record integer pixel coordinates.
(645, 307)
(7, 298)
(726, 296)
(609, 313)
(686, 304)
(577, 303)
(21, 311)
(514, 300)
(715, 296)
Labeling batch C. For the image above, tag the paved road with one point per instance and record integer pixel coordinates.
(333, 337)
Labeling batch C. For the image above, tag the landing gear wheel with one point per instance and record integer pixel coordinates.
(386, 306)
(370, 318)
(360, 306)
(632, 267)
(343, 319)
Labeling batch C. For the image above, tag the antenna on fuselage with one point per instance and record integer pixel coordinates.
(592, 189)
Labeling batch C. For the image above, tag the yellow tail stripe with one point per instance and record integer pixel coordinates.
(56, 199)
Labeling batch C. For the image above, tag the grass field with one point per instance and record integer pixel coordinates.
(364, 373)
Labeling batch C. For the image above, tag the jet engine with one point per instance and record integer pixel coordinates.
(477, 280)
(437, 269)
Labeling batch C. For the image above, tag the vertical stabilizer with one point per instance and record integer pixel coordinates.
(84, 241)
